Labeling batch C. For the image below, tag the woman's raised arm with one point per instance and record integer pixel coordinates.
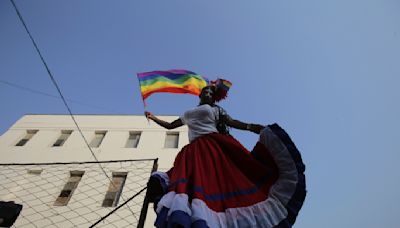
(174, 124)
(256, 128)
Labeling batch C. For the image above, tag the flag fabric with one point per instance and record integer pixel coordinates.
(222, 84)
(171, 81)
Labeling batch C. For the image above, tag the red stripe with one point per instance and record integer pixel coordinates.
(172, 90)
(219, 165)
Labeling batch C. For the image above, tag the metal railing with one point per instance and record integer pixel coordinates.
(37, 185)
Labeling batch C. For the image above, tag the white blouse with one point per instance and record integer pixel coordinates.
(201, 120)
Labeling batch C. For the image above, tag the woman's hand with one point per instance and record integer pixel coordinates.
(174, 124)
(149, 115)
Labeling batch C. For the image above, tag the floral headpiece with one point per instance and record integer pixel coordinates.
(222, 86)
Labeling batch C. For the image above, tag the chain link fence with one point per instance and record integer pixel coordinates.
(38, 186)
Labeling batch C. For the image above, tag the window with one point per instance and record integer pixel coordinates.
(27, 137)
(98, 138)
(114, 189)
(171, 140)
(63, 137)
(36, 172)
(69, 188)
(133, 139)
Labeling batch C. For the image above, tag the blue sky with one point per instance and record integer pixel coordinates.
(326, 71)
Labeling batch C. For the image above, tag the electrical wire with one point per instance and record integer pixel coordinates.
(49, 95)
(60, 93)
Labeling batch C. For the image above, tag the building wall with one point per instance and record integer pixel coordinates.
(39, 149)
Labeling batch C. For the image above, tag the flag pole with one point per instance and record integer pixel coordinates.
(144, 102)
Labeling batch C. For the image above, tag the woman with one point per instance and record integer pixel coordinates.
(216, 182)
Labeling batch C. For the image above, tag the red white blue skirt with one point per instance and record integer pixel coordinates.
(216, 182)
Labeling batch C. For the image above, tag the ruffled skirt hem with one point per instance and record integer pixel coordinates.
(279, 208)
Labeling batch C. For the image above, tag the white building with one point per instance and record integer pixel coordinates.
(47, 166)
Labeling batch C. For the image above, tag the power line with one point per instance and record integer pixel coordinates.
(115, 209)
(52, 78)
(49, 95)
(59, 92)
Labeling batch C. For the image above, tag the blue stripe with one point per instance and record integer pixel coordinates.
(170, 76)
(199, 224)
(177, 218)
(161, 220)
(227, 195)
(178, 182)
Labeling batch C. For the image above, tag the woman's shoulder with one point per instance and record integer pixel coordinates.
(216, 109)
(220, 109)
(204, 106)
(199, 108)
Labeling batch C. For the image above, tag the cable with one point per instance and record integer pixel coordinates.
(115, 209)
(48, 94)
(61, 95)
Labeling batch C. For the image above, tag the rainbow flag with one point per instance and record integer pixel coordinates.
(171, 81)
(222, 83)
